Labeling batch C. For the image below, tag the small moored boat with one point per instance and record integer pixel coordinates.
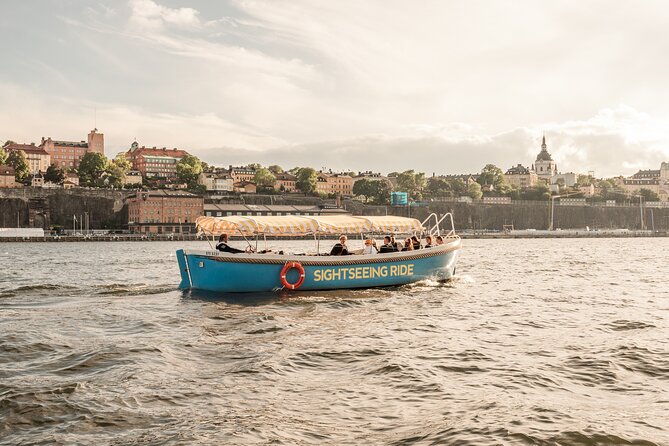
(261, 272)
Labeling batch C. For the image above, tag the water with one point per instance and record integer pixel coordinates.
(549, 342)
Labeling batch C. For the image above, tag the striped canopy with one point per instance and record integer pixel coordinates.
(392, 224)
(341, 224)
(302, 225)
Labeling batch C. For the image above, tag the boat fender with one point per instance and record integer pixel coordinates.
(287, 267)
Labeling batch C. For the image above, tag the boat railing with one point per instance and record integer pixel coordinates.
(436, 229)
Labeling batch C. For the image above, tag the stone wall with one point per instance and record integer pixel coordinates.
(530, 216)
(37, 207)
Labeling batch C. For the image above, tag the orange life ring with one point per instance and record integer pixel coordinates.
(287, 267)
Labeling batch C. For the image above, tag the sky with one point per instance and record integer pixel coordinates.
(437, 86)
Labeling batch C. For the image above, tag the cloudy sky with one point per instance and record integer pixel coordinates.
(438, 86)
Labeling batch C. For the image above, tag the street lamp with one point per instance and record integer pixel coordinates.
(553, 197)
(641, 209)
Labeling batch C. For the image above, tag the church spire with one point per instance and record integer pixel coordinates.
(543, 142)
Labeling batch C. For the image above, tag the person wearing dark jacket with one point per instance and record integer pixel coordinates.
(387, 246)
(416, 242)
(224, 247)
(340, 249)
(428, 241)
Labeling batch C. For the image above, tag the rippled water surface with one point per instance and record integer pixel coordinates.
(549, 342)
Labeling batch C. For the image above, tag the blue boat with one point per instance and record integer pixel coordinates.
(250, 272)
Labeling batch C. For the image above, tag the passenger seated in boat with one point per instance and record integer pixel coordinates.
(387, 245)
(224, 247)
(394, 243)
(428, 241)
(440, 240)
(408, 245)
(340, 249)
(415, 242)
(370, 246)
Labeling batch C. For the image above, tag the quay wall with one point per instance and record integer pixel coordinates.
(43, 208)
(36, 207)
(495, 217)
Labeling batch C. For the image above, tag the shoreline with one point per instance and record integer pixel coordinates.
(464, 236)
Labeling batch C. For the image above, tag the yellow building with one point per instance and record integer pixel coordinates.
(38, 159)
(334, 184)
(521, 177)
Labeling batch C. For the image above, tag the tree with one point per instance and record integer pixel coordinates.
(459, 186)
(122, 162)
(439, 187)
(189, 169)
(363, 188)
(474, 191)
(275, 169)
(3, 156)
(649, 195)
(8, 143)
(91, 168)
(380, 191)
(609, 190)
(254, 166)
(54, 174)
(17, 159)
(264, 178)
(117, 170)
(540, 192)
(306, 180)
(406, 182)
(493, 175)
(585, 180)
(411, 182)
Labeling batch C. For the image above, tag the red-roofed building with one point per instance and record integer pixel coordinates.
(153, 162)
(67, 154)
(38, 159)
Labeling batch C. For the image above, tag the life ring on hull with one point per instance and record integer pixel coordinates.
(287, 267)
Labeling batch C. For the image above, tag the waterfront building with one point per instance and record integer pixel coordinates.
(133, 177)
(163, 211)
(544, 165)
(587, 191)
(334, 184)
(242, 174)
(152, 162)
(216, 182)
(650, 174)
(286, 182)
(37, 158)
(569, 179)
(466, 178)
(370, 176)
(37, 180)
(72, 178)
(664, 172)
(7, 176)
(245, 187)
(521, 177)
(633, 185)
(67, 154)
(496, 200)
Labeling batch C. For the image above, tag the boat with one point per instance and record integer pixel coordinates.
(254, 271)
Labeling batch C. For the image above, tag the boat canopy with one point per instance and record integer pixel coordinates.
(289, 225)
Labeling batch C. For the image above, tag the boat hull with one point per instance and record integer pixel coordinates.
(240, 273)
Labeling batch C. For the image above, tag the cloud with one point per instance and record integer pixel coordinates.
(614, 141)
(151, 15)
